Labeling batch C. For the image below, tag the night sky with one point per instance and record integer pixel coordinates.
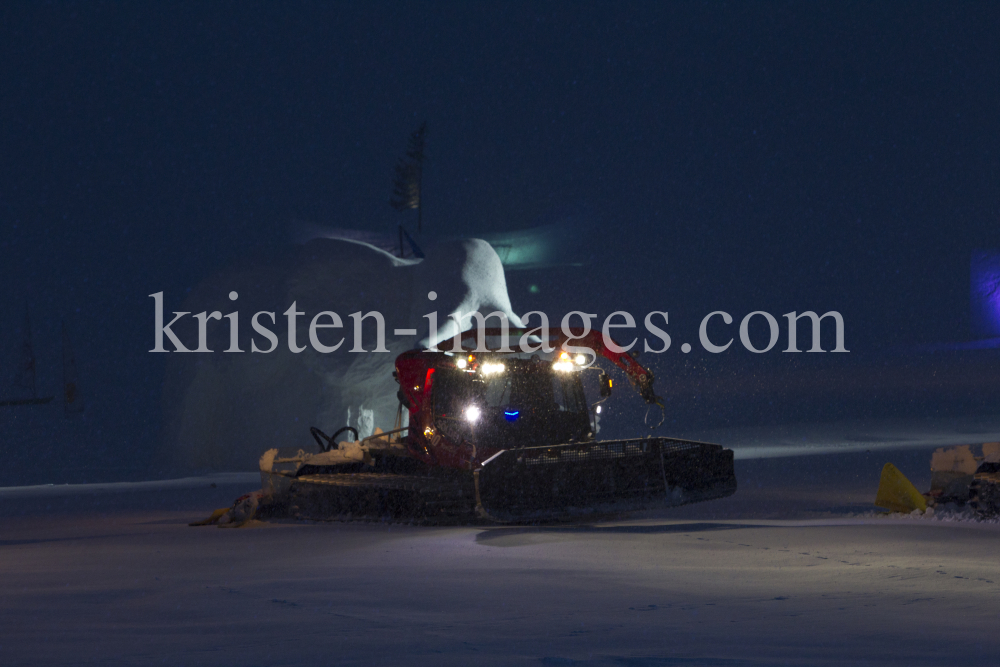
(717, 156)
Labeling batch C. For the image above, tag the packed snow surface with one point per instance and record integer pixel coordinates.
(796, 569)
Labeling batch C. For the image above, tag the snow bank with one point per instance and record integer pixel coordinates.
(239, 479)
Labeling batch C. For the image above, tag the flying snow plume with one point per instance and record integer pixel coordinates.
(563, 243)
(222, 410)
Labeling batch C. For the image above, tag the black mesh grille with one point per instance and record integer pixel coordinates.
(548, 481)
(603, 451)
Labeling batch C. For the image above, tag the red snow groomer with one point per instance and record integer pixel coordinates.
(502, 436)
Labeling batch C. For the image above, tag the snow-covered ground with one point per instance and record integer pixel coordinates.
(795, 569)
(852, 436)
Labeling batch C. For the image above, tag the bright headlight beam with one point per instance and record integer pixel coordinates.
(489, 368)
(472, 413)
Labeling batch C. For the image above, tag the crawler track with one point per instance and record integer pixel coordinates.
(372, 496)
(562, 483)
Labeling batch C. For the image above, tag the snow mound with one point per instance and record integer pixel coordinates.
(948, 513)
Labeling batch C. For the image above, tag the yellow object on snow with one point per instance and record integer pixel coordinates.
(216, 515)
(896, 493)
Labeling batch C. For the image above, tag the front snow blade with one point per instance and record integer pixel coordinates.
(610, 477)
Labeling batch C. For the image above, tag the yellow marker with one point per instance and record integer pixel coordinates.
(896, 493)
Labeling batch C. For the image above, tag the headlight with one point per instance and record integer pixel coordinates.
(489, 369)
(472, 413)
(461, 363)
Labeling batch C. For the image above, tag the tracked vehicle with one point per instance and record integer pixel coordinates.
(495, 435)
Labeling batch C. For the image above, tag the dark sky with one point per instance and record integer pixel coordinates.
(736, 156)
